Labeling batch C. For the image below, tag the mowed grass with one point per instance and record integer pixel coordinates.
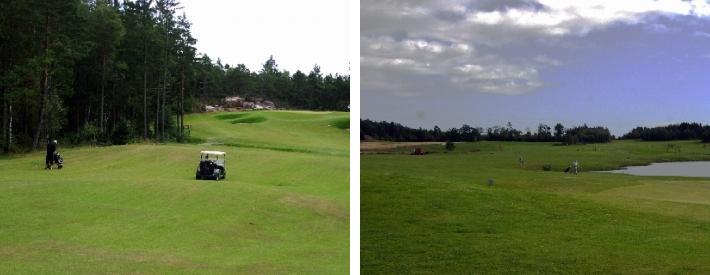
(438, 214)
(138, 208)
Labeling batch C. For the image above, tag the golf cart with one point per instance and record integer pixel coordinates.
(211, 165)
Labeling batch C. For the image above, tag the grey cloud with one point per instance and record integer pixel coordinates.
(423, 38)
(504, 5)
(457, 44)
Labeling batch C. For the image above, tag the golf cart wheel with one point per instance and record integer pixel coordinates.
(59, 166)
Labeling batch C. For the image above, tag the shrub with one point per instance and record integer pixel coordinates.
(89, 133)
(21, 144)
(72, 138)
(706, 136)
(450, 146)
(122, 133)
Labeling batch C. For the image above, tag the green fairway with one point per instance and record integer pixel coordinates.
(438, 213)
(283, 207)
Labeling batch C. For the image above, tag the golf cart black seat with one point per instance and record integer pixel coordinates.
(207, 167)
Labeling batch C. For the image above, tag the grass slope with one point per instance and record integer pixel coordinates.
(437, 214)
(302, 131)
(138, 209)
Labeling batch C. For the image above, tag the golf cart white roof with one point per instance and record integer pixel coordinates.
(218, 153)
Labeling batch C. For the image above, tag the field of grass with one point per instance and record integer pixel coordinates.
(438, 213)
(138, 209)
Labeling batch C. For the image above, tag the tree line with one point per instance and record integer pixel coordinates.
(574, 135)
(391, 131)
(104, 71)
(311, 91)
(680, 131)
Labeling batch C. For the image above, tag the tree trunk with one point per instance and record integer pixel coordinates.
(4, 122)
(145, 93)
(8, 138)
(165, 84)
(181, 111)
(111, 111)
(25, 117)
(162, 109)
(157, 114)
(103, 86)
(77, 117)
(45, 84)
(88, 113)
(145, 74)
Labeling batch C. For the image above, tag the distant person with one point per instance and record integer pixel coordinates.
(521, 161)
(575, 165)
(51, 150)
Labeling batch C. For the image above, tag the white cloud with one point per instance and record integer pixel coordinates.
(561, 17)
(500, 79)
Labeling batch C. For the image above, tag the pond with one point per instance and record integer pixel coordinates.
(681, 168)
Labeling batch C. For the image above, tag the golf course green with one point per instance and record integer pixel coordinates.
(283, 208)
(476, 210)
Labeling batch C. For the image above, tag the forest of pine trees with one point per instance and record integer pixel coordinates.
(112, 71)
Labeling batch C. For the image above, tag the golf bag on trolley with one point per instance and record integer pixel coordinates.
(55, 158)
(58, 160)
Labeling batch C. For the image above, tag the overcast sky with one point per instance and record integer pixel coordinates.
(299, 34)
(612, 63)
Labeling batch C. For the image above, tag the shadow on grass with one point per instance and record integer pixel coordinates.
(194, 140)
(231, 116)
(249, 119)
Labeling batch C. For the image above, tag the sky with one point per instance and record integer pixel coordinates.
(618, 64)
(299, 34)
